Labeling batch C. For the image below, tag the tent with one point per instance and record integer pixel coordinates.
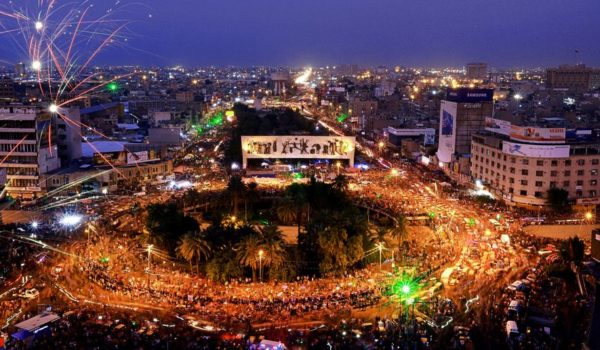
(36, 322)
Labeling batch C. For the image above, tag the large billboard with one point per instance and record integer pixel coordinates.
(447, 140)
(498, 126)
(535, 151)
(428, 134)
(537, 135)
(301, 147)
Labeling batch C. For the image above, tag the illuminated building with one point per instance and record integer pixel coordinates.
(462, 115)
(576, 78)
(522, 171)
(477, 71)
(28, 144)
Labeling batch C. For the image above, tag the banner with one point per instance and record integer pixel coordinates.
(535, 151)
(447, 142)
(137, 157)
(537, 135)
(497, 126)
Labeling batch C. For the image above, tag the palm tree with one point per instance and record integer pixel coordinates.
(236, 188)
(400, 230)
(193, 247)
(251, 198)
(298, 195)
(273, 245)
(248, 253)
(286, 211)
(340, 183)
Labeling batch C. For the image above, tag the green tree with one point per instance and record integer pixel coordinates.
(248, 251)
(286, 211)
(166, 223)
(272, 245)
(193, 247)
(557, 198)
(341, 183)
(400, 230)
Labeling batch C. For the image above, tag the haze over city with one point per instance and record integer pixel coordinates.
(436, 33)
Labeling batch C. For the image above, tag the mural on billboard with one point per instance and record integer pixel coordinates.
(302, 147)
(447, 123)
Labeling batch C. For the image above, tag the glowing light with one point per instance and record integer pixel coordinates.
(39, 26)
(35, 225)
(105, 191)
(303, 78)
(589, 215)
(342, 118)
(112, 87)
(36, 65)
(235, 166)
(518, 97)
(405, 289)
(53, 108)
(70, 220)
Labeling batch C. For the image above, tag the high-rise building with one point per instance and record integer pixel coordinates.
(576, 78)
(69, 136)
(7, 88)
(20, 70)
(29, 148)
(477, 71)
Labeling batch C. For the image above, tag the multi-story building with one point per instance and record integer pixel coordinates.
(522, 172)
(477, 71)
(576, 78)
(29, 149)
(7, 89)
(462, 115)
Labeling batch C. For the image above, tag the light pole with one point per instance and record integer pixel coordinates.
(380, 248)
(260, 257)
(150, 246)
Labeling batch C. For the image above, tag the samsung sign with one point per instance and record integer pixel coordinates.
(470, 95)
(535, 151)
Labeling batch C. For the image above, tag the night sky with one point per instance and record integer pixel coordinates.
(507, 33)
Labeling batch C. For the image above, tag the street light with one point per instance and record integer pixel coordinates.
(150, 246)
(380, 248)
(260, 257)
(589, 216)
(405, 289)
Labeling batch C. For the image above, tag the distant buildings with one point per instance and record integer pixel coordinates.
(576, 78)
(477, 71)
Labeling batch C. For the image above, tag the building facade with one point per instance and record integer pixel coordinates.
(576, 78)
(476, 71)
(29, 149)
(522, 173)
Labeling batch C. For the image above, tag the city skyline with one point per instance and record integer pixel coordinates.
(266, 32)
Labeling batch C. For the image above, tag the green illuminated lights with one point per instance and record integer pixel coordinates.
(342, 118)
(112, 87)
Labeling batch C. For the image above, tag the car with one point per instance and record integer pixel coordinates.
(29, 294)
(512, 329)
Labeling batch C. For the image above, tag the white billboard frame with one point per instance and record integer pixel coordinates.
(447, 136)
(298, 147)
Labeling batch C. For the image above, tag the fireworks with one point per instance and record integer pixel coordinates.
(60, 40)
